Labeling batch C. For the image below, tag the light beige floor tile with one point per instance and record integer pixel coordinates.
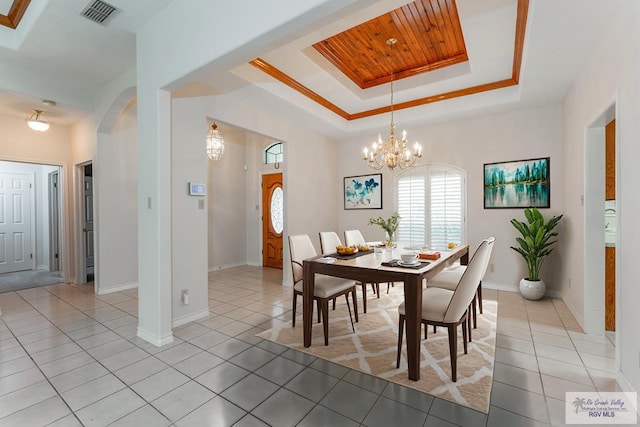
(517, 377)
(144, 416)
(558, 353)
(516, 344)
(182, 400)
(92, 391)
(110, 409)
(159, 384)
(25, 397)
(557, 387)
(40, 414)
(566, 371)
(598, 362)
(517, 359)
(553, 340)
(78, 376)
(19, 380)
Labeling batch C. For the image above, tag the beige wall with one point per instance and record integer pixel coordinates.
(468, 144)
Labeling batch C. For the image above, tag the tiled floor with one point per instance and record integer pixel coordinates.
(68, 358)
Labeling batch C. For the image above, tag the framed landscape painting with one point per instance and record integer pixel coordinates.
(363, 192)
(517, 184)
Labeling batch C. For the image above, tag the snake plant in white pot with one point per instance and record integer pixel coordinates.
(534, 246)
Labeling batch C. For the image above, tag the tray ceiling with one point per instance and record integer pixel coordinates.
(429, 36)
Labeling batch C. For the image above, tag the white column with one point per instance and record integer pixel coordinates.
(154, 214)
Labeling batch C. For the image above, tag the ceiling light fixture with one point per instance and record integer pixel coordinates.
(215, 143)
(393, 152)
(36, 122)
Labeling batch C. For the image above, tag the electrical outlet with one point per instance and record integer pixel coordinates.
(185, 296)
(200, 203)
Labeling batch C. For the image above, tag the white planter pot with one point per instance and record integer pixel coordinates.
(532, 290)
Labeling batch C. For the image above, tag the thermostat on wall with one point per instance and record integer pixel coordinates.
(197, 189)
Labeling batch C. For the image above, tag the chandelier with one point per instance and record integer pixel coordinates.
(215, 143)
(393, 152)
(36, 122)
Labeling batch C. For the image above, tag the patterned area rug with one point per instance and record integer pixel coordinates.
(372, 349)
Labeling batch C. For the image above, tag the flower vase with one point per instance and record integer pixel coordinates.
(390, 242)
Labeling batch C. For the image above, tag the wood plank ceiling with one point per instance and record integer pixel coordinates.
(430, 37)
(12, 19)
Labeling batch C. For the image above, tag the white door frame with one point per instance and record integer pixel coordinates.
(79, 255)
(55, 255)
(594, 296)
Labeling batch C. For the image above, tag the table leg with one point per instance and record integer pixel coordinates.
(307, 301)
(413, 312)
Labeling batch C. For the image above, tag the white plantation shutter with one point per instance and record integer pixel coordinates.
(411, 198)
(440, 220)
(446, 207)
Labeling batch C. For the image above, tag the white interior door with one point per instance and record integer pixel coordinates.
(15, 222)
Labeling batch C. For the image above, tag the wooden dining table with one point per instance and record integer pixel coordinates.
(368, 268)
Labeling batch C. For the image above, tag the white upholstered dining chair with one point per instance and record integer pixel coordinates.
(355, 237)
(450, 277)
(444, 307)
(326, 287)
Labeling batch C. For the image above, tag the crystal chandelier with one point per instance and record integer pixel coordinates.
(215, 143)
(393, 152)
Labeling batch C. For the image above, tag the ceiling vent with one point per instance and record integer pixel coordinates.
(99, 12)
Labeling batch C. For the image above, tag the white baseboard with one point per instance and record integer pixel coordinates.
(516, 288)
(225, 266)
(500, 287)
(42, 267)
(575, 314)
(191, 317)
(254, 264)
(118, 288)
(151, 338)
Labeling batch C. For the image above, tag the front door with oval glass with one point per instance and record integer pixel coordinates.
(272, 220)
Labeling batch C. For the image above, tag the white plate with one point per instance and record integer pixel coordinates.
(408, 264)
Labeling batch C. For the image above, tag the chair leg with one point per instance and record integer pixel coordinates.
(464, 336)
(480, 296)
(400, 334)
(334, 304)
(353, 328)
(473, 309)
(355, 303)
(364, 296)
(453, 349)
(295, 301)
(468, 324)
(377, 285)
(319, 310)
(426, 329)
(325, 320)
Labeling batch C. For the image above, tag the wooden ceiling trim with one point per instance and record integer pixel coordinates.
(263, 65)
(521, 22)
(435, 98)
(521, 26)
(18, 8)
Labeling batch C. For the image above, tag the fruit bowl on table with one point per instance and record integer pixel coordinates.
(346, 250)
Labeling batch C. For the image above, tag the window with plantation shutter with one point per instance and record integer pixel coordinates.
(431, 204)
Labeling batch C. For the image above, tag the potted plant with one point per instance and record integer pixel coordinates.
(535, 245)
(389, 225)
